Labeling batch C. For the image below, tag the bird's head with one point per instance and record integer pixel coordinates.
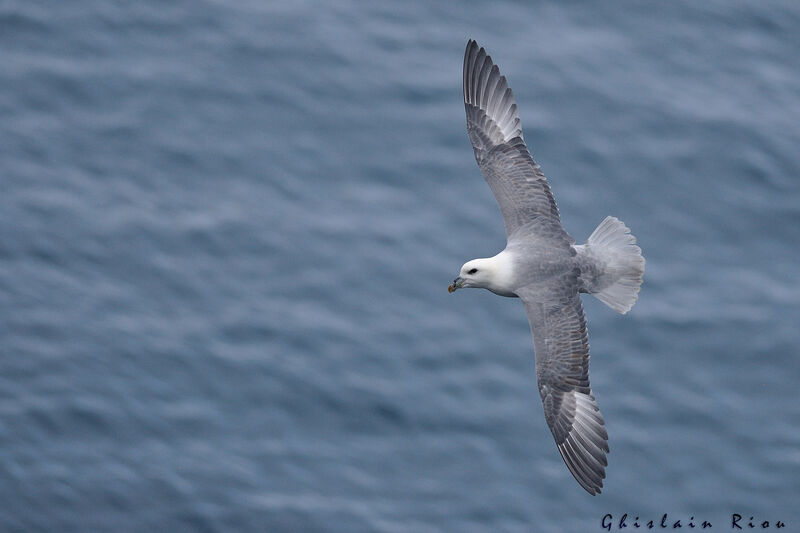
(476, 273)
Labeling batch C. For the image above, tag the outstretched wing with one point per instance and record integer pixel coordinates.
(494, 128)
(561, 346)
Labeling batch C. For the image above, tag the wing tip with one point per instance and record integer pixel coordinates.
(584, 446)
(487, 89)
(588, 477)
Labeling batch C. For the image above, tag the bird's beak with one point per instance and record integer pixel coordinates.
(457, 284)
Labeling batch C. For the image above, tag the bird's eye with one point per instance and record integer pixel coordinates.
(472, 271)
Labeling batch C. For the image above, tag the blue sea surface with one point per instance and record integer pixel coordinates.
(227, 229)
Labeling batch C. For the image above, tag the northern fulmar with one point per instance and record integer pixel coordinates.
(542, 265)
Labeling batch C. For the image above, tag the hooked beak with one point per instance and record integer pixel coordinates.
(457, 284)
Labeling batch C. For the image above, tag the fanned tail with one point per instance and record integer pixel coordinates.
(612, 265)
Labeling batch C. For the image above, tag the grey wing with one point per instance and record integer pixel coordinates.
(494, 128)
(561, 347)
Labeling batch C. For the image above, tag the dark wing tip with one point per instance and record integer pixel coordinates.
(487, 96)
(586, 470)
(584, 448)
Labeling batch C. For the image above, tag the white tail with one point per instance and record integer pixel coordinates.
(612, 265)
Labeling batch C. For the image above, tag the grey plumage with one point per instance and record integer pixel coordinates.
(495, 131)
(547, 268)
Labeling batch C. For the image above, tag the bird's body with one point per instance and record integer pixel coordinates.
(543, 266)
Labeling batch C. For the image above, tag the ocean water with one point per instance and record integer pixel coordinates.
(227, 229)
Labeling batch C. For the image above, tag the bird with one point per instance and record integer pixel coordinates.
(543, 267)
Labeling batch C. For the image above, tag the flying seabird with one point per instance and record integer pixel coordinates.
(542, 265)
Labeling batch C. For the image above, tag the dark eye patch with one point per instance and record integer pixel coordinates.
(472, 271)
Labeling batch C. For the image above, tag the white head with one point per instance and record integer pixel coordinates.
(493, 273)
(476, 273)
